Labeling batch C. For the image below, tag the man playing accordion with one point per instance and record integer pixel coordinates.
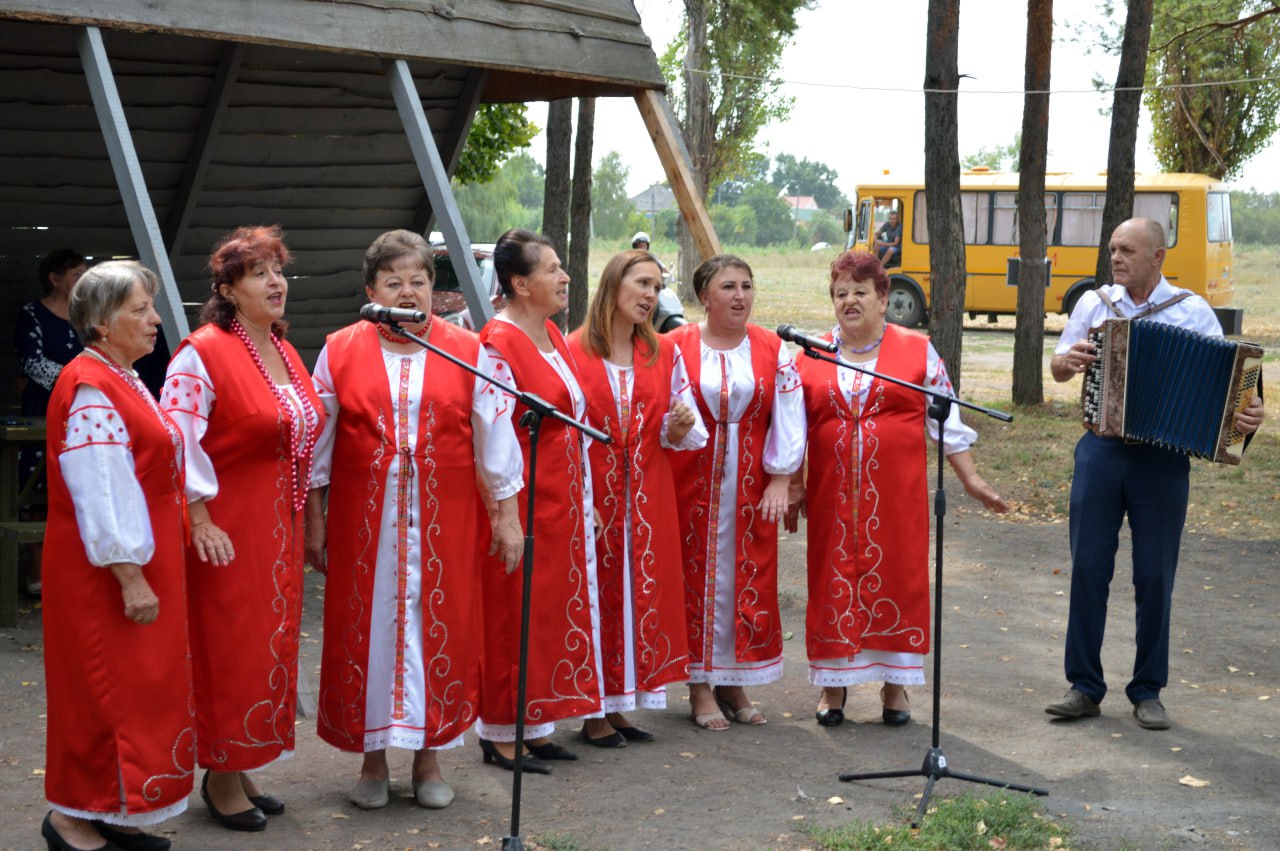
(1114, 477)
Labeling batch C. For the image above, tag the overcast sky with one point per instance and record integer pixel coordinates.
(855, 70)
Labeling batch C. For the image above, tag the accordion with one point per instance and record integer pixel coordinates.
(1166, 386)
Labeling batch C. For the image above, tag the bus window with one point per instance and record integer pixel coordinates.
(1163, 208)
(1005, 219)
(1218, 217)
(864, 223)
(975, 209)
(1082, 218)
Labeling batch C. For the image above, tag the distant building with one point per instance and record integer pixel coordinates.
(803, 207)
(655, 199)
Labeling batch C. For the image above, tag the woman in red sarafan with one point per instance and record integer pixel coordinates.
(563, 668)
(867, 497)
(406, 434)
(121, 733)
(251, 417)
(733, 493)
(639, 394)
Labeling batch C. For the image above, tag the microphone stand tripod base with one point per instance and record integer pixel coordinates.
(934, 769)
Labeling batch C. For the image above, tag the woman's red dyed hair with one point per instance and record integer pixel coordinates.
(859, 266)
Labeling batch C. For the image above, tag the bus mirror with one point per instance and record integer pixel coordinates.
(848, 219)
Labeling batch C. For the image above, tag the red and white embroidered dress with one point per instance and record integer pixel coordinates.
(868, 512)
(564, 663)
(121, 727)
(643, 643)
(245, 616)
(404, 439)
(749, 397)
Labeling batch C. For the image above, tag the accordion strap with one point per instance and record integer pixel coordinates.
(1147, 311)
(1156, 308)
(1111, 305)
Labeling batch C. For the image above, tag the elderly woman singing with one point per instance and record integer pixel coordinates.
(121, 734)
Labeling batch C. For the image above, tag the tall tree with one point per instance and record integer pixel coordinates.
(611, 209)
(1124, 130)
(580, 212)
(726, 90)
(1213, 129)
(1028, 334)
(942, 183)
(809, 178)
(555, 195)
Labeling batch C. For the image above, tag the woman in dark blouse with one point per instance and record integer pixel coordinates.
(45, 342)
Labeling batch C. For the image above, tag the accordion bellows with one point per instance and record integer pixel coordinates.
(1166, 386)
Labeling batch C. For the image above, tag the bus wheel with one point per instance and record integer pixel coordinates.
(906, 306)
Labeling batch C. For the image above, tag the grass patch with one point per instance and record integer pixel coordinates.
(995, 820)
(554, 842)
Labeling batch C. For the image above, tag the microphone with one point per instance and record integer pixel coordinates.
(378, 313)
(793, 335)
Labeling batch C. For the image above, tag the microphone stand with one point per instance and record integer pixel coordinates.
(538, 410)
(935, 765)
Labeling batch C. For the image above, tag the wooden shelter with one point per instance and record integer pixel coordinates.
(136, 128)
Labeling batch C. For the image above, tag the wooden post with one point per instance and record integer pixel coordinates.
(662, 127)
(133, 188)
(435, 179)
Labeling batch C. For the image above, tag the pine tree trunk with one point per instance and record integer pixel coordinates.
(1028, 335)
(1124, 130)
(580, 212)
(942, 184)
(555, 193)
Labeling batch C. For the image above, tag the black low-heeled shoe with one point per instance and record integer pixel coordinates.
(250, 820)
(56, 843)
(833, 716)
(550, 750)
(635, 734)
(133, 841)
(269, 804)
(613, 740)
(530, 764)
(894, 717)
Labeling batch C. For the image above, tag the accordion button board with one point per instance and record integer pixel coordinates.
(1158, 384)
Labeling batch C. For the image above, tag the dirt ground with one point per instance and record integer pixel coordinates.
(1005, 608)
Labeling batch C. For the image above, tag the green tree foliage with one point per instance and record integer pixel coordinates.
(610, 207)
(996, 157)
(806, 177)
(1255, 218)
(741, 49)
(529, 177)
(489, 209)
(774, 222)
(1213, 129)
(497, 131)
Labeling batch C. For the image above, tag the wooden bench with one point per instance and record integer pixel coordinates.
(13, 535)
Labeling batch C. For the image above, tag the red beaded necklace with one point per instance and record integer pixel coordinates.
(397, 337)
(302, 441)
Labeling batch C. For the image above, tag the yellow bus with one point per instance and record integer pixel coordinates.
(1195, 210)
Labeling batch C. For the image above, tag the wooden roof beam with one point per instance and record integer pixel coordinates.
(667, 141)
(436, 181)
(133, 187)
(184, 201)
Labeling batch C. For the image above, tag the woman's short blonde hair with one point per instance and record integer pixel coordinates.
(100, 293)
